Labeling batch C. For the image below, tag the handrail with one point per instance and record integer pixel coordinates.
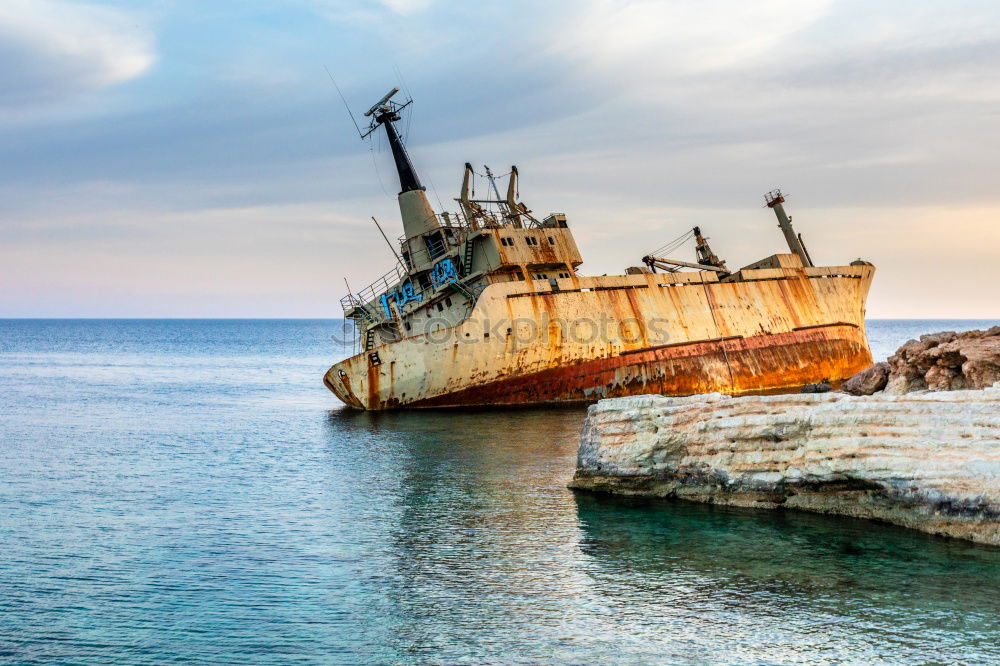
(380, 285)
(358, 304)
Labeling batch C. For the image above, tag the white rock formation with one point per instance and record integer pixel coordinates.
(929, 461)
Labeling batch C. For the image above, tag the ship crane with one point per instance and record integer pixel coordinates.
(708, 260)
(509, 208)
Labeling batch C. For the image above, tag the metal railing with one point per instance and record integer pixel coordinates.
(373, 290)
(363, 306)
(418, 251)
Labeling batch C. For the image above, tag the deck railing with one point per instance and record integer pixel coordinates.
(363, 305)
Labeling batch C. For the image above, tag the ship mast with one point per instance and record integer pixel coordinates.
(774, 201)
(414, 208)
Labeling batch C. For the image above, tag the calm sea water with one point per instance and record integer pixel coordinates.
(187, 491)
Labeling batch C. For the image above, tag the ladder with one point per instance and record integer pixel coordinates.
(462, 289)
(366, 315)
(470, 292)
(370, 320)
(467, 258)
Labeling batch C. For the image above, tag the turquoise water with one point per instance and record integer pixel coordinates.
(187, 491)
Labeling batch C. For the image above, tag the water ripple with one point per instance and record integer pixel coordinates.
(188, 492)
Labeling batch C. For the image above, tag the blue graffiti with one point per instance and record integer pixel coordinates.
(401, 296)
(444, 272)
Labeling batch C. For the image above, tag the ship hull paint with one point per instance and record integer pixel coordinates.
(735, 366)
(777, 330)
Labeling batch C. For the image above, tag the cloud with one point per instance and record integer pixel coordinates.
(367, 12)
(406, 7)
(198, 260)
(51, 50)
(638, 119)
(688, 37)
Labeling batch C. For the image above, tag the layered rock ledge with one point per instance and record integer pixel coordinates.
(928, 461)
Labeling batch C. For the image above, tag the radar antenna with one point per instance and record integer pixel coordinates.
(381, 103)
(384, 113)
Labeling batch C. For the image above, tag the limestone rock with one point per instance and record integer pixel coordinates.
(929, 461)
(946, 361)
(869, 381)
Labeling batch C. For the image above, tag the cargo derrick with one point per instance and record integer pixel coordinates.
(486, 307)
(707, 260)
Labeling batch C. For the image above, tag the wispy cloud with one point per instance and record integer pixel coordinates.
(53, 49)
(406, 7)
(637, 118)
(685, 37)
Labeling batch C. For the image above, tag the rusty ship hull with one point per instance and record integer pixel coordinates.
(487, 307)
(539, 342)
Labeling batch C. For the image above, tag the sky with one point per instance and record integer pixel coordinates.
(183, 158)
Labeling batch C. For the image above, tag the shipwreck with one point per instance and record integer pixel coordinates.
(487, 306)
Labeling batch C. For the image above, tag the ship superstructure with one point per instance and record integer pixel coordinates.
(445, 261)
(485, 306)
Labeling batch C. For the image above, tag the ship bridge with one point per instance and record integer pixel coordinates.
(444, 261)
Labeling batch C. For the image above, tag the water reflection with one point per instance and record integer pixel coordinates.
(487, 554)
(484, 555)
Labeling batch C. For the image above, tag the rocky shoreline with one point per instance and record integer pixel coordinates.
(924, 459)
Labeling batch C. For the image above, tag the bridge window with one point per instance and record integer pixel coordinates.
(552, 241)
(435, 245)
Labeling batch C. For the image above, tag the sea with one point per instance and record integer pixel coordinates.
(187, 491)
